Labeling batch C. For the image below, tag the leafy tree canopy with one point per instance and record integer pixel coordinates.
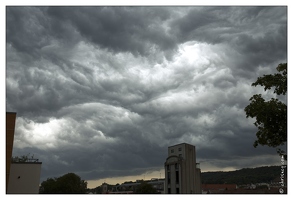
(264, 174)
(145, 188)
(271, 116)
(67, 184)
(278, 80)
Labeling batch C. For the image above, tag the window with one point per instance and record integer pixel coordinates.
(177, 176)
(177, 190)
(168, 167)
(169, 178)
(176, 166)
(172, 150)
(180, 155)
(169, 190)
(179, 149)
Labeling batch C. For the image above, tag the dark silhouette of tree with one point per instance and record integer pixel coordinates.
(49, 186)
(145, 188)
(264, 174)
(271, 116)
(67, 184)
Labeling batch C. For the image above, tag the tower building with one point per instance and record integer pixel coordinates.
(181, 174)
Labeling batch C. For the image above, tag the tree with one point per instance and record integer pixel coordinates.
(49, 186)
(271, 116)
(145, 188)
(67, 184)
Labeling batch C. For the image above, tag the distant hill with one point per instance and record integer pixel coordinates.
(264, 174)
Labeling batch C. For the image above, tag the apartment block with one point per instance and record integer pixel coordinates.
(24, 177)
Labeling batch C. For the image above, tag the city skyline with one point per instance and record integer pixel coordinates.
(103, 91)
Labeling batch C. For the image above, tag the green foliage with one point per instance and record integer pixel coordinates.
(145, 188)
(271, 116)
(49, 186)
(19, 159)
(67, 184)
(271, 120)
(278, 80)
(24, 158)
(243, 176)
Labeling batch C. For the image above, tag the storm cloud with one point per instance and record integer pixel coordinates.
(103, 91)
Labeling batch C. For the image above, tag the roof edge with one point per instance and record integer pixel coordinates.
(26, 162)
(181, 144)
(10, 112)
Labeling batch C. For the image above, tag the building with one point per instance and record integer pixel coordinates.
(218, 188)
(181, 174)
(129, 187)
(24, 177)
(198, 183)
(10, 127)
(158, 184)
(22, 174)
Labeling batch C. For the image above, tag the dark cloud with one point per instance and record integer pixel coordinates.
(103, 91)
(129, 29)
(253, 33)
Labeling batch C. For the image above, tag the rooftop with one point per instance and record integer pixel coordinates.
(180, 144)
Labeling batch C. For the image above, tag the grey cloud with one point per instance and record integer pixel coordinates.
(27, 30)
(119, 28)
(252, 32)
(110, 85)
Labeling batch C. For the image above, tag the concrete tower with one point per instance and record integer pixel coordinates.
(181, 174)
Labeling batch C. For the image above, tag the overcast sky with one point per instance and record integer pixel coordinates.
(103, 91)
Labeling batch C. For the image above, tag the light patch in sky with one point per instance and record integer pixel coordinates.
(191, 52)
(41, 135)
(114, 180)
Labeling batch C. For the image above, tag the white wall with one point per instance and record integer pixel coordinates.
(24, 178)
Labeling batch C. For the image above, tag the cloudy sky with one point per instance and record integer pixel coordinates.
(103, 91)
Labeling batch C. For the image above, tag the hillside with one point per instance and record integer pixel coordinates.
(264, 174)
